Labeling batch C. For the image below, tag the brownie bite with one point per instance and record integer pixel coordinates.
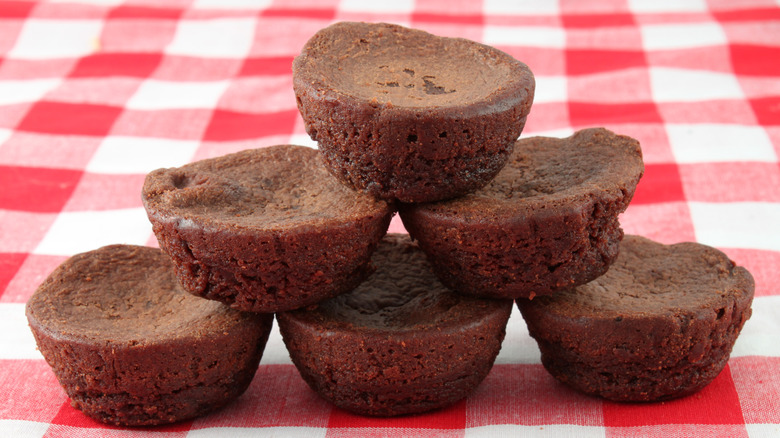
(132, 348)
(659, 324)
(407, 115)
(549, 220)
(264, 230)
(400, 343)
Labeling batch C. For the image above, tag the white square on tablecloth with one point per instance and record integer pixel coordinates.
(231, 4)
(395, 6)
(303, 140)
(23, 428)
(763, 430)
(760, 332)
(526, 36)
(681, 36)
(667, 6)
(712, 142)
(140, 155)
(214, 38)
(527, 7)
(47, 39)
(537, 431)
(76, 232)
(5, 134)
(550, 89)
(156, 95)
(13, 92)
(15, 336)
(750, 225)
(248, 432)
(682, 85)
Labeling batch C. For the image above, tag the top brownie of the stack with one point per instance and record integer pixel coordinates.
(407, 115)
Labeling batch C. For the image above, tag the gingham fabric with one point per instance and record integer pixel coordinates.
(93, 95)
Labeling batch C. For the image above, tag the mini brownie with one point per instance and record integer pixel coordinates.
(659, 324)
(549, 220)
(408, 115)
(132, 348)
(400, 343)
(264, 230)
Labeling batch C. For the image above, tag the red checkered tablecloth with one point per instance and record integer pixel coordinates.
(95, 94)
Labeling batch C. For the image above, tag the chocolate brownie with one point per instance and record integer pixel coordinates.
(264, 230)
(407, 115)
(400, 343)
(548, 221)
(131, 348)
(659, 324)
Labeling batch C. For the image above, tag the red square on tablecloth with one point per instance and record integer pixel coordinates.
(767, 110)
(30, 390)
(660, 183)
(717, 403)
(585, 114)
(590, 20)
(36, 189)
(758, 385)
(46, 150)
(755, 60)
(725, 111)
(267, 66)
(33, 271)
(277, 396)
(581, 62)
(9, 266)
(22, 231)
(249, 94)
(130, 35)
(727, 182)
(106, 192)
(546, 117)
(762, 265)
(695, 58)
(668, 222)
(179, 124)
(528, 395)
(15, 9)
(69, 118)
(117, 64)
(316, 11)
(231, 125)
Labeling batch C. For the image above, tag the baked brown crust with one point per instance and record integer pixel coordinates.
(659, 324)
(264, 230)
(549, 220)
(400, 343)
(131, 348)
(407, 115)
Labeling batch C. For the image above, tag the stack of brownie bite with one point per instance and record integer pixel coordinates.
(389, 324)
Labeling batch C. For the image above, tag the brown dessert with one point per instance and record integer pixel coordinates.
(131, 348)
(400, 343)
(407, 115)
(549, 220)
(659, 324)
(264, 230)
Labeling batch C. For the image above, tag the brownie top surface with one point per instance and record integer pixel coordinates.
(402, 294)
(389, 64)
(124, 294)
(547, 173)
(653, 279)
(277, 187)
